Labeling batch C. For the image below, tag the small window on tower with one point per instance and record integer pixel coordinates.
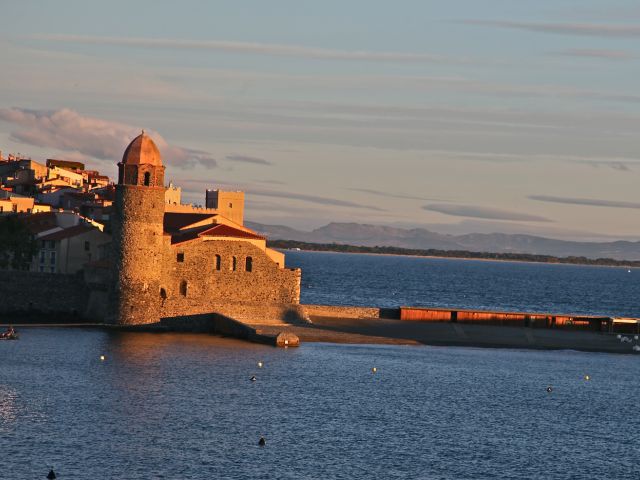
(249, 264)
(234, 263)
(218, 261)
(87, 246)
(147, 178)
(230, 205)
(183, 288)
(180, 257)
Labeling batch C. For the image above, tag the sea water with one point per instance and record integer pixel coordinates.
(392, 281)
(123, 405)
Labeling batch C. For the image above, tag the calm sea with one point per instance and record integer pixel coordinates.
(179, 406)
(391, 281)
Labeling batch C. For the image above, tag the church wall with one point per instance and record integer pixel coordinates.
(266, 291)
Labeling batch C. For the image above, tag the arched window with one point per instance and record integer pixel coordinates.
(234, 263)
(218, 262)
(183, 288)
(249, 264)
(147, 179)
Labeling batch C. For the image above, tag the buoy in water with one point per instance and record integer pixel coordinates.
(102, 358)
(262, 442)
(374, 370)
(253, 378)
(51, 475)
(587, 377)
(549, 389)
(259, 364)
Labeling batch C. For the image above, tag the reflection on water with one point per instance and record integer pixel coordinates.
(182, 406)
(8, 406)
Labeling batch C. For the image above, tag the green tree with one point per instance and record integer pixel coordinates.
(17, 245)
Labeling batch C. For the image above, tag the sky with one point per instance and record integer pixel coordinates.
(460, 116)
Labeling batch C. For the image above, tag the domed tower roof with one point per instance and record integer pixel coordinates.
(142, 150)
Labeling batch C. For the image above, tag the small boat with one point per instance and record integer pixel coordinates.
(9, 336)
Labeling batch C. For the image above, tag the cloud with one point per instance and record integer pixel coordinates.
(620, 164)
(313, 199)
(248, 159)
(390, 195)
(473, 211)
(597, 53)
(585, 201)
(195, 185)
(589, 29)
(271, 49)
(90, 137)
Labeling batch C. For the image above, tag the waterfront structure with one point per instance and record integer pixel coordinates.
(170, 264)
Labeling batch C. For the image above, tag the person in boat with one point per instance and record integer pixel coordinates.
(10, 332)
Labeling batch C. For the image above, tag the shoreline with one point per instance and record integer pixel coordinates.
(379, 331)
(474, 259)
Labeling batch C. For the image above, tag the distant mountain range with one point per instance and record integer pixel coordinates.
(420, 238)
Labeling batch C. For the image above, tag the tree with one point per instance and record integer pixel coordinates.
(17, 245)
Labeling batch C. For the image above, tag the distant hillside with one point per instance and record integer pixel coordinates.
(420, 238)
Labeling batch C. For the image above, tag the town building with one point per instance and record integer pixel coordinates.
(67, 242)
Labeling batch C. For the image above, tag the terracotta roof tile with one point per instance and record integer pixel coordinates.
(68, 232)
(218, 230)
(221, 230)
(39, 222)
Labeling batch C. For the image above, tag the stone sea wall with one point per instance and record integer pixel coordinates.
(344, 311)
(42, 296)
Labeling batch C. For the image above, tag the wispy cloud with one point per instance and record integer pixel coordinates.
(472, 211)
(586, 201)
(589, 29)
(620, 164)
(253, 48)
(597, 53)
(389, 195)
(196, 185)
(248, 159)
(90, 137)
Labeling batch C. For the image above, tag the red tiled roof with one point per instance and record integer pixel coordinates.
(41, 221)
(174, 222)
(68, 232)
(218, 230)
(221, 230)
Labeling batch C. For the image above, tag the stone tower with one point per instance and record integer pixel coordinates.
(137, 233)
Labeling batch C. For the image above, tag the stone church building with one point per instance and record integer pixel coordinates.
(170, 264)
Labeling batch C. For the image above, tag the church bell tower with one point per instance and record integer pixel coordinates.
(137, 234)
